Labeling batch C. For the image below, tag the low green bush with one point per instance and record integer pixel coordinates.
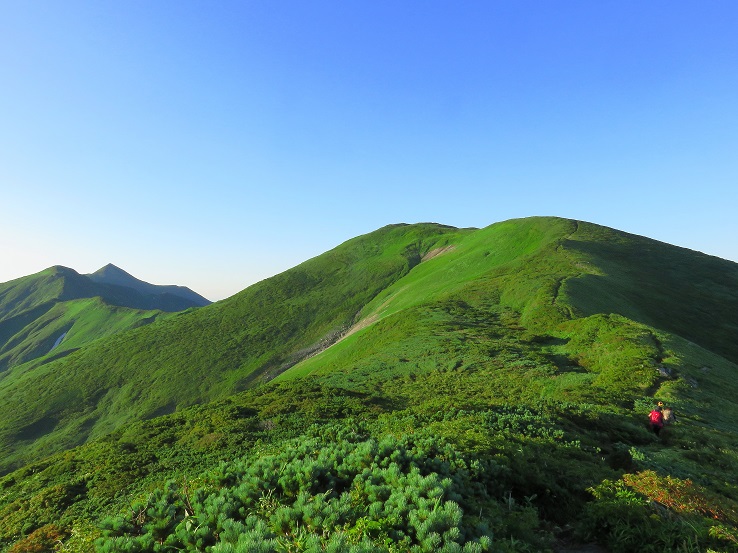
(335, 490)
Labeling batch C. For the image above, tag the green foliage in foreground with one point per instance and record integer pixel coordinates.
(645, 512)
(338, 491)
(336, 488)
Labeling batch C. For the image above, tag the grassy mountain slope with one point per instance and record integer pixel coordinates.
(45, 334)
(113, 285)
(528, 352)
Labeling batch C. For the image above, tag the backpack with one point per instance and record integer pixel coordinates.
(669, 416)
(657, 418)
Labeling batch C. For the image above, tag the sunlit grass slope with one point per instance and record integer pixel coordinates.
(520, 283)
(30, 292)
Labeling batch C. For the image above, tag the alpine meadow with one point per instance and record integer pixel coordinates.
(421, 388)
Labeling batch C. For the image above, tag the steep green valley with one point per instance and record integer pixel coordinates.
(419, 388)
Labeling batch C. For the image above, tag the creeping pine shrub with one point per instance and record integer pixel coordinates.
(330, 491)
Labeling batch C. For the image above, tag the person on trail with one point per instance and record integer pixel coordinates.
(656, 418)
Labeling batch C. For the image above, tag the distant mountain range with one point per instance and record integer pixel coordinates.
(153, 296)
(40, 312)
(506, 373)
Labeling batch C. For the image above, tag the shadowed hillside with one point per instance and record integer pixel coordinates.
(682, 291)
(169, 297)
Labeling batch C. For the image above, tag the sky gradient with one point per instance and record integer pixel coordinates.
(215, 144)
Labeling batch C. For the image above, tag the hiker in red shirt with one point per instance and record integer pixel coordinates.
(656, 418)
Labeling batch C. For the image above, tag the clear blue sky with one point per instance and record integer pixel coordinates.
(214, 144)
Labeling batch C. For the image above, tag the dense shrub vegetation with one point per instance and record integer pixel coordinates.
(338, 491)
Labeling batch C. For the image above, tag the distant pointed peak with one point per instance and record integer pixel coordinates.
(109, 268)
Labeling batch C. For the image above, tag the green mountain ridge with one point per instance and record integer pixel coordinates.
(537, 345)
